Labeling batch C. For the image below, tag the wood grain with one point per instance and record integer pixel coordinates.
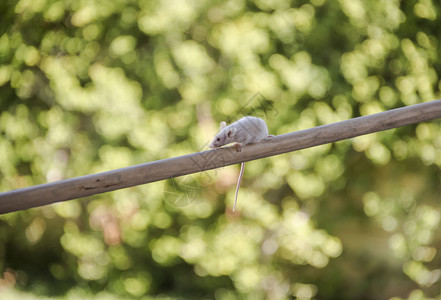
(202, 161)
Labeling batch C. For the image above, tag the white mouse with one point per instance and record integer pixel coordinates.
(247, 130)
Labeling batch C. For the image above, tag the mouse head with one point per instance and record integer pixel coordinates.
(225, 136)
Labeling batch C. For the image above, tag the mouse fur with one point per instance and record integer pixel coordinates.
(247, 130)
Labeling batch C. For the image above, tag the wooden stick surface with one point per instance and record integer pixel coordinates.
(202, 161)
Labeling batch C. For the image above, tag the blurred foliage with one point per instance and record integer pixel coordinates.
(90, 86)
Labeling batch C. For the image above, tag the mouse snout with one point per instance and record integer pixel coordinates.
(215, 143)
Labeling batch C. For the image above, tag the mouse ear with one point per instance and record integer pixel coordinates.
(222, 125)
(231, 132)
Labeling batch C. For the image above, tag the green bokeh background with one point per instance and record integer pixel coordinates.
(90, 86)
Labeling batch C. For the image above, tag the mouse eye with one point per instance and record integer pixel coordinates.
(218, 139)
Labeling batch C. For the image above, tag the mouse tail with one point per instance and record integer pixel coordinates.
(239, 180)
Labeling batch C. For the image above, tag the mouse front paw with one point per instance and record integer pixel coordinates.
(238, 147)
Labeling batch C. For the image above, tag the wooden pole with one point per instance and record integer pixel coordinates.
(202, 161)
